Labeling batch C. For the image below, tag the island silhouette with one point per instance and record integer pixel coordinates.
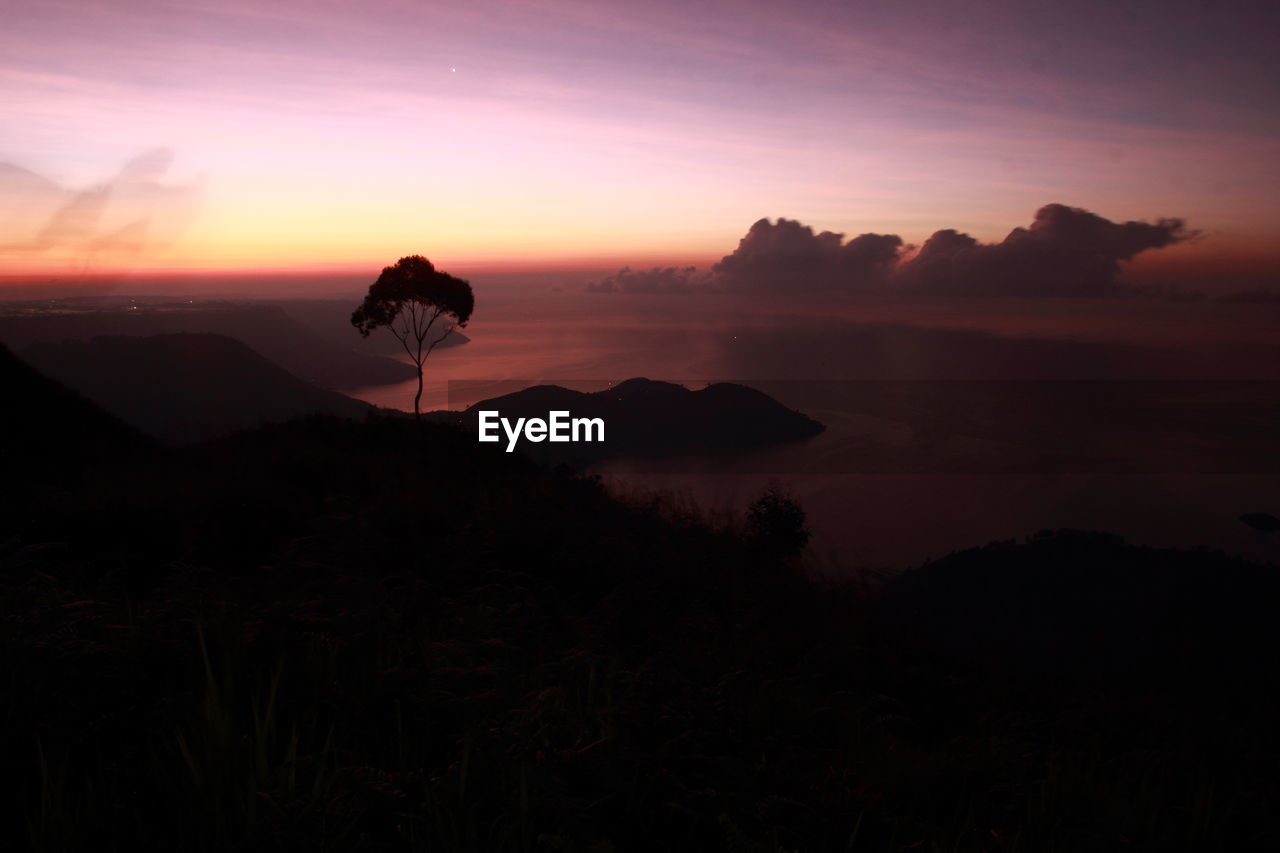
(647, 418)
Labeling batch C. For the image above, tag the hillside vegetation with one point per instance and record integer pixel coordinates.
(330, 635)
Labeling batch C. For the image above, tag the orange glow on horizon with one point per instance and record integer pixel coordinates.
(142, 138)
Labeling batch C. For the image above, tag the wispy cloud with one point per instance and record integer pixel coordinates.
(117, 220)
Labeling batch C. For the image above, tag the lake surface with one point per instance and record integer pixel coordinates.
(915, 462)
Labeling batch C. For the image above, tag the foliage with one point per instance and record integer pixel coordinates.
(776, 523)
(409, 298)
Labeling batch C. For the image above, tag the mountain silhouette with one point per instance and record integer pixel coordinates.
(185, 387)
(49, 430)
(644, 417)
(267, 329)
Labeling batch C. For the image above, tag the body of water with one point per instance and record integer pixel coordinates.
(955, 478)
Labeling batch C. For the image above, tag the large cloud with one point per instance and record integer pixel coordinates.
(1066, 251)
(788, 256)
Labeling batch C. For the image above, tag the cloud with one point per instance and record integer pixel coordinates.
(1066, 251)
(133, 212)
(655, 280)
(789, 256)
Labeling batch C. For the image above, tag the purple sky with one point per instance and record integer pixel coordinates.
(345, 133)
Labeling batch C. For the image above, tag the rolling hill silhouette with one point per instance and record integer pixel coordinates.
(185, 387)
(267, 329)
(1089, 603)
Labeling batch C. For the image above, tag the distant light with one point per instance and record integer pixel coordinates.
(454, 70)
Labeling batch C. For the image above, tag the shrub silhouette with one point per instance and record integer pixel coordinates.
(776, 524)
(408, 299)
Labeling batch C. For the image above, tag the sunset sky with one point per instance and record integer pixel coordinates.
(342, 134)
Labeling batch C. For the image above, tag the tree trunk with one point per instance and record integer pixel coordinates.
(417, 411)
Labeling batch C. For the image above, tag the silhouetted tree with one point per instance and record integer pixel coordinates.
(776, 524)
(409, 298)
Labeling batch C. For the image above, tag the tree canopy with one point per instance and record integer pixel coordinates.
(410, 298)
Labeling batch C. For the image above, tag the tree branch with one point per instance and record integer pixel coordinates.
(447, 333)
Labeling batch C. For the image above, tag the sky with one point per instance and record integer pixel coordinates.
(226, 135)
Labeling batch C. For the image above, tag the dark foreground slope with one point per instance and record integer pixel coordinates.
(185, 387)
(49, 433)
(336, 636)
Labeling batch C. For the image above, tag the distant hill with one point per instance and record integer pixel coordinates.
(48, 430)
(267, 329)
(644, 417)
(1079, 601)
(185, 387)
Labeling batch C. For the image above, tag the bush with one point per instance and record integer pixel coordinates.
(776, 524)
